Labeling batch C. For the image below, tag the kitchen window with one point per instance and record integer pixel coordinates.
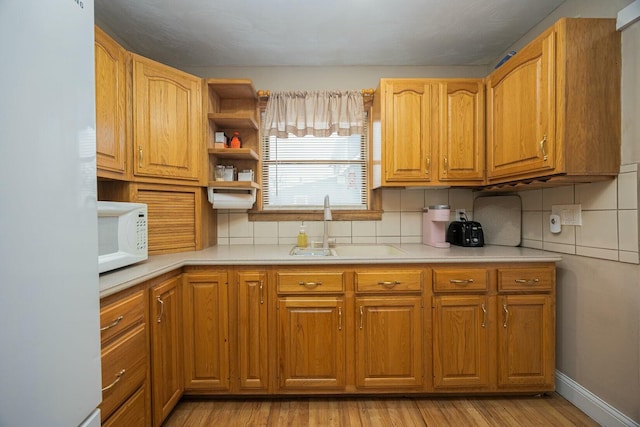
(297, 172)
(301, 164)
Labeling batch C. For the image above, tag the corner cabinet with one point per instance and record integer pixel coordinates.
(559, 98)
(428, 132)
(111, 102)
(167, 122)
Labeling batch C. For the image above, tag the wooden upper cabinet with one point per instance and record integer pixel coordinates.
(167, 122)
(428, 132)
(461, 139)
(111, 72)
(521, 108)
(554, 108)
(406, 126)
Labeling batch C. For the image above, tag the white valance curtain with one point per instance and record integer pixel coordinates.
(317, 113)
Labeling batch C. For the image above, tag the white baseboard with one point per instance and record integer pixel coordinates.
(596, 408)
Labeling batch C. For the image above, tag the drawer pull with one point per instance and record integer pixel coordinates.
(339, 318)
(112, 324)
(389, 284)
(118, 377)
(542, 148)
(527, 281)
(461, 282)
(361, 316)
(310, 284)
(261, 293)
(484, 316)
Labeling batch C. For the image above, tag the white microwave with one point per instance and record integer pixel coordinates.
(122, 234)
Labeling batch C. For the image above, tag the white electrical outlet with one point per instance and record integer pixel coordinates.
(460, 214)
(569, 214)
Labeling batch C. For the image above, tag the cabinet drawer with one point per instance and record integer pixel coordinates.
(124, 369)
(389, 281)
(460, 279)
(121, 315)
(133, 413)
(526, 279)
(310, 282)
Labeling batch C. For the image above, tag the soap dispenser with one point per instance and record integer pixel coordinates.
(302, 237)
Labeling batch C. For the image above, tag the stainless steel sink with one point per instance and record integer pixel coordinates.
(367, 251)
(297, 251)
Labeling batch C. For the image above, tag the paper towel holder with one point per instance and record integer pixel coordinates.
(245, 203)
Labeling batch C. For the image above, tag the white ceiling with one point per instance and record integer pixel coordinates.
(212, 33)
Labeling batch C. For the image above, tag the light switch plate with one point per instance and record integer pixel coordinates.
(569, 214)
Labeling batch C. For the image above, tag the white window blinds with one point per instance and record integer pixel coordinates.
(297, 172)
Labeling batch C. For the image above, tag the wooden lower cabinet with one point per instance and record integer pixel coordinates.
(389, 342)
(252, 332)
(311, 343)
(166, 347)
(133, 413)
(206, 331)
(526, 341)
(461, 341)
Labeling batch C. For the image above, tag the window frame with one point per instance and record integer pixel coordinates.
(373, 212)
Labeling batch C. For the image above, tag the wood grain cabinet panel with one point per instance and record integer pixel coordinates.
(167, 122)
(166, 348)
(253, 352)
(389, 342)
(132, 413)
(461, 341)
(206, 328)
(526, 341)
(111, 102)
(312, 343)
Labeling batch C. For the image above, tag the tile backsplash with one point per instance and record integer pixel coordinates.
(609, 219)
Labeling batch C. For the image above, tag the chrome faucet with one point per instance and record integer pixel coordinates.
(327, 217)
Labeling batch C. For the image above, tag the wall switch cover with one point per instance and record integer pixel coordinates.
(569, 214)
(554, 224)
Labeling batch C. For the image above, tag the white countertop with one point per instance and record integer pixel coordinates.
(120, 279)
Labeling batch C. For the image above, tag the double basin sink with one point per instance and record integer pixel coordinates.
(359, 251)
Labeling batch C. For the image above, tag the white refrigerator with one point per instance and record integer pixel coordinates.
(49, 302)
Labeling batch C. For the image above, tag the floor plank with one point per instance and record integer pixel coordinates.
(547, 410)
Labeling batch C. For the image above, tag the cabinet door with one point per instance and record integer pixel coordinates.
(526, 341)
(521, 112)
(389, 342)
(206, 343)
(461, 130)
(460, 341)
(110, 106)
(253, 356)
(311, 343)
(166, 348)
(167, 122)
(407, 130)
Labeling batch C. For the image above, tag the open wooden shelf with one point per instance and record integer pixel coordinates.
(234, 185)
(233, 120)
(233, 88)
(234, 153)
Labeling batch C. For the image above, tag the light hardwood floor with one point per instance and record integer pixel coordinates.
(548, 410)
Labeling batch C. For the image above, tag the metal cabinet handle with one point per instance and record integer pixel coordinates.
(261, 293)
(446, 163)
(112, 324)
(484, 316)
(506, 315)
(527, 281)
(361, 316)
(389, 284)
(118, 377)
(461, 281)
(428, 165)
(161, 308)
(309, 284)
(139, 156)
(339, 318)
(542, 147)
